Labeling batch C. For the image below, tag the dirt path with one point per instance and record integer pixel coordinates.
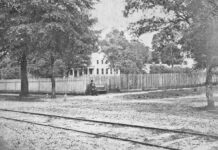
(173, 113)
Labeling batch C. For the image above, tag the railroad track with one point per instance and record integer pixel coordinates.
(85, 123)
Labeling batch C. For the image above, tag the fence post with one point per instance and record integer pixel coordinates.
(142, 81)
(39, 85)
(15, 86)
(127, 82)
(5, 85)
(119, 81)
(122, 82)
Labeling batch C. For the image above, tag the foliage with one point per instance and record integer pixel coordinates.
(19, 21)
(67, 36)
(128, 56)
(40, 67)
(197, 23)
(9, 69)
(165, 49)
(164, 69)
(203, 34)
(187, 23)
(169, 19)
(64, 35)
(174, 15)
(201, 38)
(29, 27)
(169, 54)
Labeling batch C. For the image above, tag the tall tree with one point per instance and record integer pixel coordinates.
(128, 56)
(20, 20)
(168, 19)
(166, 48)
(65, 32)
(201, 40)
(28, 22)
(171, 54)
(193, 20)
(9, 69)
(18, 27)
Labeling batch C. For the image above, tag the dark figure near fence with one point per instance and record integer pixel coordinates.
(91, 89)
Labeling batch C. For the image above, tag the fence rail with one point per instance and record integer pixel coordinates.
(123, 82)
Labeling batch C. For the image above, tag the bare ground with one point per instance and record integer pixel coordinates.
(183, 110)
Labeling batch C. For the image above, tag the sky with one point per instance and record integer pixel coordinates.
(110, 16)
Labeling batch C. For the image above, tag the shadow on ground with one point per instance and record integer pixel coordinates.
(165, 94)
(205, 108)
(20, 99)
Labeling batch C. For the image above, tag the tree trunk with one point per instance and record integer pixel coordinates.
(172, 57)
(209, 89)
(24, 79)
(172, 65)
(53, 92)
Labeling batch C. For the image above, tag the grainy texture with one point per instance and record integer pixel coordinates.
(173, 113)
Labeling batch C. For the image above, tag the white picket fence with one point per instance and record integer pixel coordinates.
(123, 82)
(67, 85)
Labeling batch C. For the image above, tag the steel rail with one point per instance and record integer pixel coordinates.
(93, 134)
(116, 124)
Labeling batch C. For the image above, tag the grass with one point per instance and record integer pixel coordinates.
(165, 94)
(17, 98)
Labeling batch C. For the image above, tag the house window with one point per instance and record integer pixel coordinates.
(106, 62)
(107, 71)
(90, 71)
(75, 73)
(71, 72)
(97, 71)
(80, 73)
(111, 70)
(97, 61)
(85, 71)
(102, 71)
(102, 61)
(116, 71)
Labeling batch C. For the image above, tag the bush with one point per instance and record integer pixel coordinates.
(164, 69)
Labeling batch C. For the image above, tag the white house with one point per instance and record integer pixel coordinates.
(99, 66)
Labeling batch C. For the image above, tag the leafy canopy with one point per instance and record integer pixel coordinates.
(128, 56)
(201, 37)
(60, 27)
(189, 23)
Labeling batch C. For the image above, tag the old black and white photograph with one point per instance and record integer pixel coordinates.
(108, 74)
